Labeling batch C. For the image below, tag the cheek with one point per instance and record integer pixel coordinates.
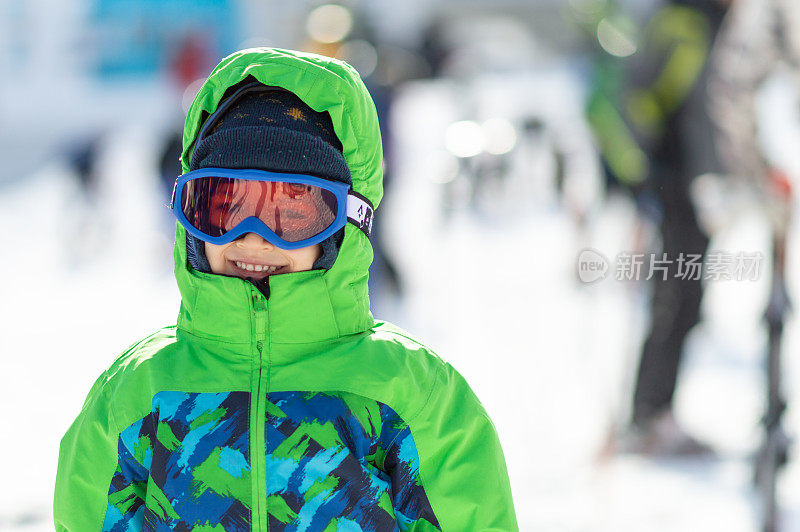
(306, 257)
(315, 253)
(214, 257)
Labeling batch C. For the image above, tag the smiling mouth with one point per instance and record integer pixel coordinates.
(257, 268)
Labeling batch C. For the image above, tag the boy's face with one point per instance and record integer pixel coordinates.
(253, 257)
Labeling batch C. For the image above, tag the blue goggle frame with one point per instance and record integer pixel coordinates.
(350, 206)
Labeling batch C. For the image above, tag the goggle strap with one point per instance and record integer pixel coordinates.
(360, 212)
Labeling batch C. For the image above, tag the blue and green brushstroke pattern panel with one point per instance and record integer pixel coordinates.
(334, 461)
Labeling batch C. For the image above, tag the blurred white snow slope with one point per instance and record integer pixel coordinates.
(493, 290)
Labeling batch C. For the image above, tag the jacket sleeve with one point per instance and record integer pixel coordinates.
(663, 73)
(100, 485)
(461, 463)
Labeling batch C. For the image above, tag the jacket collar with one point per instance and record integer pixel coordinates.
(303, 307)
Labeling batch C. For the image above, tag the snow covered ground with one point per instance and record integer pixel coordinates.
(492, 289)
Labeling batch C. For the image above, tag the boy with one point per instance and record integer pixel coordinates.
(277, 402)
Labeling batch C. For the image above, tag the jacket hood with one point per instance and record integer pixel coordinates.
(303, 307)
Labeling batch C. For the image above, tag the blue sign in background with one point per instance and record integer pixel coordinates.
(137, 37)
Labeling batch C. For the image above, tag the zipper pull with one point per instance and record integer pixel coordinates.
(260, 311)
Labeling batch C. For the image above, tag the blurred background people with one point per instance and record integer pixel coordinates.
(189, 61)
(655, 139)
(759, 44)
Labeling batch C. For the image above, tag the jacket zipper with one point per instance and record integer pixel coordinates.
(258, 399)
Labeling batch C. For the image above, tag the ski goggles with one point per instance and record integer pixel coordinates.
(291, 211)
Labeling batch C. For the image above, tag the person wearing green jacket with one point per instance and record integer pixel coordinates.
(277, 402)
(655, 136)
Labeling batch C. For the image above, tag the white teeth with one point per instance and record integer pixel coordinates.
(256, 267)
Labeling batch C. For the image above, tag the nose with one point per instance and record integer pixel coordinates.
(254, 241)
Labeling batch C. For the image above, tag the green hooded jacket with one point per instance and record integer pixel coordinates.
(294, 412)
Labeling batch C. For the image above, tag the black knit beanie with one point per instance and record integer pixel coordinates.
(270, 129)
